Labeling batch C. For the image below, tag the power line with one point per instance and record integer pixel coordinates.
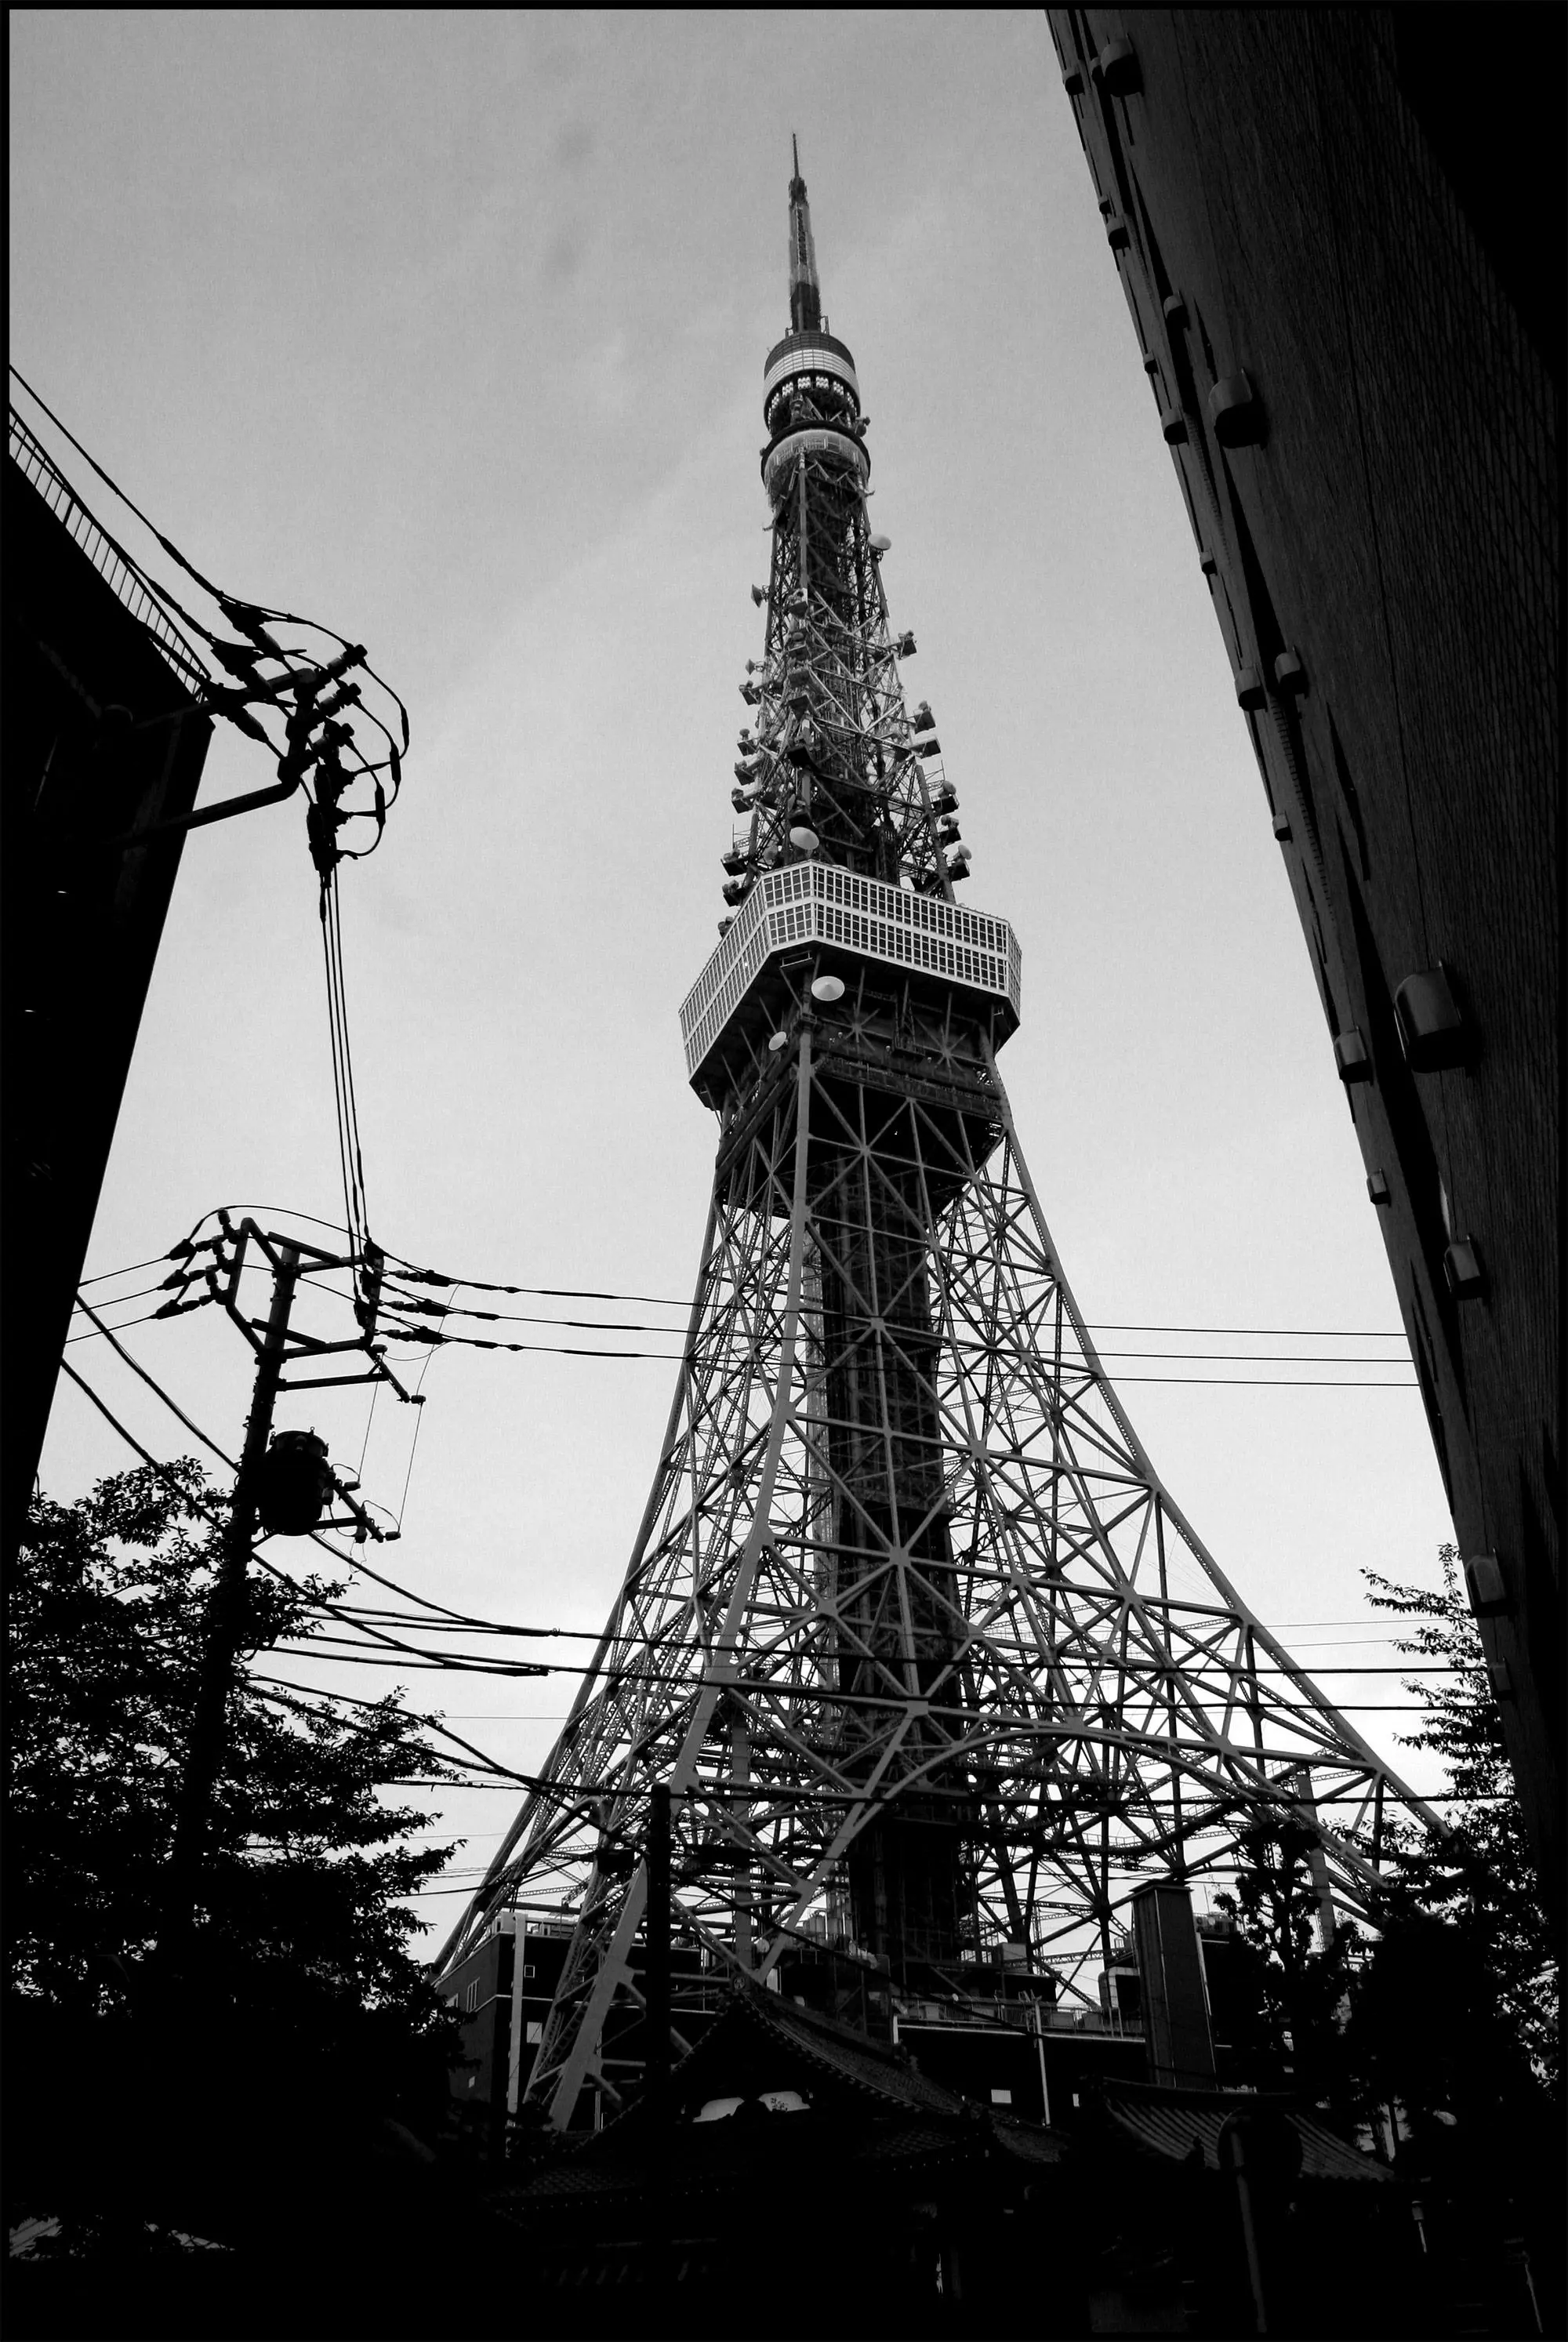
(347, 1655)
(1093, 1326)
(469, 1662)
(504, 1773)
(425, 1723)
(119, 1300)
(105, 1276)
(350, 1153)
(1234, 1382)
(414, 1443)
(207, 1513)
(302, 671)
(1219, 1680)
(449, 1618)
(413, 1273)
(131, 1441)
(398, 1305)
(430, 1342)
(138, 1368)
(1074, 1359)
(125, 1325)
(264, 1211)
(1270, 1382)
(612, 1325)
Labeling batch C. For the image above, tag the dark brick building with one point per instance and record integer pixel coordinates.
(1339, 236)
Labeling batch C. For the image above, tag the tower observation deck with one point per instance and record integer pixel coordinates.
(925, 1654)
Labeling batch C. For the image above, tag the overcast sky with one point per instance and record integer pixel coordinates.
(448, 327)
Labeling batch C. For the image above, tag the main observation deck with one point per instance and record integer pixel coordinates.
(846, 920)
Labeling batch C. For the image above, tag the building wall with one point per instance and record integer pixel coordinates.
(544, 1949)
(1286, 203)
(998, 2066)
(490, 1990)
(480, 1992)
(101, 738)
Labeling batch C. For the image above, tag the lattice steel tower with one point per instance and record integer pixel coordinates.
(931, 1662)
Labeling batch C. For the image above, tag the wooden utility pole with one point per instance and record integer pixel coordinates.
(225, 1625)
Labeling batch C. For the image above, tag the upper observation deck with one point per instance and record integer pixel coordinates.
(846, 921)
(799, 358)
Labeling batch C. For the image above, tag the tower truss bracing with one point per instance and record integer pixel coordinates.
(929, 1659)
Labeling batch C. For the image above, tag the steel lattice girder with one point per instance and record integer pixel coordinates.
(830, 689)
(911, 1627)
(1036, 1642)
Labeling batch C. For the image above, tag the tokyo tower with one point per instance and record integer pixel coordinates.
(932, 1666)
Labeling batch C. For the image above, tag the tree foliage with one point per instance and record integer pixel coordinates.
(1450, 2002)
(302, 1978)
(1466, 1956)
(1287, 1985)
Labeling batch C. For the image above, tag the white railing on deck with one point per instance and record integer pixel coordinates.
(814, 902)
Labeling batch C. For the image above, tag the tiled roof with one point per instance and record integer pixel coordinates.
(908, 2141)
(1027, 2141)
(848, 2056)
(902, 2117)
(1169, 2122)
(754, 2018)
(705, 2164)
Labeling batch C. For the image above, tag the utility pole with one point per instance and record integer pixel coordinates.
(1235, 2132)
(224, 1623)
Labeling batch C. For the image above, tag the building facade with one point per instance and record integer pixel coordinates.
(501, 1993)
(105, 741)
(1333, 228)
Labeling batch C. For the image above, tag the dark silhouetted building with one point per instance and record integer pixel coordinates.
(100, 741)
(905, 2205)
(1340, 235)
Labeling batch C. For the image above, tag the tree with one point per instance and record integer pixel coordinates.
(1454, 2017)
(1285, 1986)
(1452, 2005)
(1471, 1901)
(303, 2000)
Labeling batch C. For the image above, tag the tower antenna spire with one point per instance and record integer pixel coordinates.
(804, 292)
